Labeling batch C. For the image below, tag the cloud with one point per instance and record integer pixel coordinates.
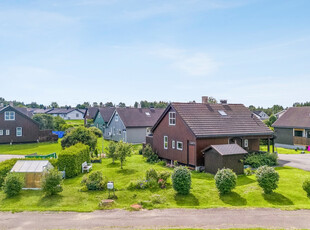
(188, 62)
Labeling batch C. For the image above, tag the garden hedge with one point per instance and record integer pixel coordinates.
(5, 168)
(71, 159)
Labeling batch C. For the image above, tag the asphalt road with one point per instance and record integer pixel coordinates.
(7, 157)
(301, 161)
(167, 218)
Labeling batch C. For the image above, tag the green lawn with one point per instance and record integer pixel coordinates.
(282, 150)
(75, 122)
(289, 195)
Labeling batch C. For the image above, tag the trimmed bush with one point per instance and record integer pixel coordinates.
(5, 168)
(181, 180)
(52, 182)
(306, 186)
(79, 135)
(225, 180)
(71, 159)
(13, 184)
(150, 156)
(267, 178)
(95, 181)
(256, 160)
(96, 131)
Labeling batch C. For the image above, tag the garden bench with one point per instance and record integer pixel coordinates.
(86, 167)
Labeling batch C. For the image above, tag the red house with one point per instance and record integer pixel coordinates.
(185, 129)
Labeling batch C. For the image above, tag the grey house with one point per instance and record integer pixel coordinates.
(261, 115)
(292, 129)
(132, 125)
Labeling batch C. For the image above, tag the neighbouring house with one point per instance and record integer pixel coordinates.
(17, 126)
(90, 114)
(224, 156)
(67, 113)
(132, 125)
(185, 129)
(292, 129)
(261, 115)
(279, 114)
(32, 171)
(101, 119)
(39, 111)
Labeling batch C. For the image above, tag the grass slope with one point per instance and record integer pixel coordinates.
(289, 195)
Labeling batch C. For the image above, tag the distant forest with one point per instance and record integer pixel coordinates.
(143, 104)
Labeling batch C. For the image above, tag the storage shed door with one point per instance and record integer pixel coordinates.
(191, 153)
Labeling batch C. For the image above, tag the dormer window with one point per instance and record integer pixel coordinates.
(222, 112)
(172, 118)
(9, 116)
(116, 117)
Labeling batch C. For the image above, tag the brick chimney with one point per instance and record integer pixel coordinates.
(224, 102)
(204, 99)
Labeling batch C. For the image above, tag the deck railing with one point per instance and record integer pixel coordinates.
(301, 141)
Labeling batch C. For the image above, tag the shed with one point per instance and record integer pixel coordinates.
(224, 156)
(32, 171)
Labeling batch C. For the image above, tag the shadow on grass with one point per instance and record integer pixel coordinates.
(113, 165)
(233, 199)
(49, 201)
(127, 171)
(277, 199)
(186, 200)
(244, 180)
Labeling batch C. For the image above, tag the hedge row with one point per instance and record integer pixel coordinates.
(5, 168)
(71, 159)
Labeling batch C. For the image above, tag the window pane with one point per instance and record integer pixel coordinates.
(298, 133)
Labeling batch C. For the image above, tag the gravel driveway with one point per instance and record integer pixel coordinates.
(7, 157)
(301, 161)
(166, 218)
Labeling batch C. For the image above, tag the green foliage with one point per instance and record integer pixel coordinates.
(123, 150)
(95, 181)
(181, 180)
(96, 131)
(138, 184)
(59, 124)
(151, 104)
(306, 186)
(272, 119)
(150, 156)
(54, 162)
(71, 159)
(256, 160)
(225, 180)
(112, 151)
(267, 178)
(151, 174)
(52, 182)
(79, 135)
(46, 121)
(153, 180)
(248, 172)
(5, 168)
(13, 184)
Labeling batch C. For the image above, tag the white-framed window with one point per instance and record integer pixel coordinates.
(113, 131)
(1, 132)
(7, 132)
(246, 143)
(179, 145)
(172, 118)
(173, 144)
(165, 142)
(148, 131)
(19, 131)
(119, 132)
(116, 117)
(9, 115)
(77, 115)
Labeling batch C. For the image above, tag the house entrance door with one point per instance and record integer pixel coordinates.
(191, 152)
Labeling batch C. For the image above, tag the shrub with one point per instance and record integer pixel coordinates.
(46, 121)
(96, 131)
(5, 168)
(52, 182)
(267, 178)
(95, 181)
(256, 160)
(181, 180)
(150, 156)
(13, 184)
(71, 159)
(162, 163)
(79, 135)
(306, 186)
(225, 180)
(59, 124)
(157, 199)
(53, 161)
(151, 174)
(248, 172)
(139, 184)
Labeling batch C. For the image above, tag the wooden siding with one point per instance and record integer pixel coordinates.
(178, 132)
(301, 141)
(30, 129)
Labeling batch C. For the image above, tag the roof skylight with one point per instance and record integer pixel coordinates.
(222, 112)
(147, 114)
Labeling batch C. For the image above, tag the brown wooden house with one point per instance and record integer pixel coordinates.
(185, 129)
(17, 127)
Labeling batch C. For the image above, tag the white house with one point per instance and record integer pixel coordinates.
(261, 115)
(68, 114)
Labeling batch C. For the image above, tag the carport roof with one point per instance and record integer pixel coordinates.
(22, 166)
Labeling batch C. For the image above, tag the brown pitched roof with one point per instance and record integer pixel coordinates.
(22, 110)
(135, 117)
(205, 120)
(106, 113)
(295, 117)
(91, 112)
(229, 149)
